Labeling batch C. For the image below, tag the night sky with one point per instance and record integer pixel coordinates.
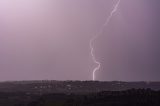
(49, 39)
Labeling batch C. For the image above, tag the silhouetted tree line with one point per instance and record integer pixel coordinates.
(132, 97)
(51, 86)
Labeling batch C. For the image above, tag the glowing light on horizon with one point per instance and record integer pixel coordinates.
(97, 35)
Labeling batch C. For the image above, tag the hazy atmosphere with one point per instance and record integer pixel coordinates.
(49, 39)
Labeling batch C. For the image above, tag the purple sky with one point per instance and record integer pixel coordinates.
(49, 39)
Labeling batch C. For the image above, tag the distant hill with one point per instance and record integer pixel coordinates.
(79, 93)
(52, 86)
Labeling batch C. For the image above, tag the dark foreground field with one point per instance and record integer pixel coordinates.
(77, 93)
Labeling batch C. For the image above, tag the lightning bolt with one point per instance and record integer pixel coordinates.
(115, 7)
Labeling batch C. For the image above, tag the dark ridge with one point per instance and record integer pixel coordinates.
(52, 86)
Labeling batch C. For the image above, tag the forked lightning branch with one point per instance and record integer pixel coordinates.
(114, 10)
